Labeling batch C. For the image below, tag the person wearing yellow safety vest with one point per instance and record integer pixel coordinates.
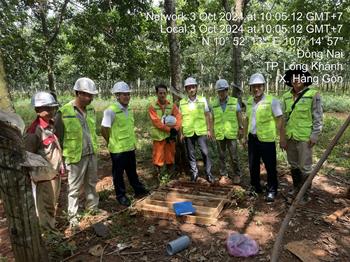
(76, 129)
(303, 118)
(264, 114)
(196, 128)
(166, 121)
(118, 131)
(227, 125)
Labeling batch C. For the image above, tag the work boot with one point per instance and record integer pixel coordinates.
(171, 169)
(194, 177)
(124, 201)
(270, 196)
(210, 179)
(157, 170)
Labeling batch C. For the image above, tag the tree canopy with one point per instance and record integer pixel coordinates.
(111, 40)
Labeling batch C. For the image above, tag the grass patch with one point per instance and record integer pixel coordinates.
(339, 157)
(334, 103)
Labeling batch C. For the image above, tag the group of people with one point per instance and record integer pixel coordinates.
(297, 120)
(66, 138)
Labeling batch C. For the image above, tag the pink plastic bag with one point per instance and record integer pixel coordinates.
(240, 245)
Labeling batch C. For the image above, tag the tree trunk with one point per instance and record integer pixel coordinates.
(50, 37)
(15, 185)
(175, 73)
(237, 11)
(5, 99)
(50, 73)
(174, 49)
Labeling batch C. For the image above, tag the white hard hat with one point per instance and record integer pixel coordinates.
(221, 84)
(257, 79)
(190, 81)
(121, 87)
(86, 85)
(169, 120)
(43, 99)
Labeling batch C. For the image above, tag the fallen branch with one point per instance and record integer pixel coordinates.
(313, 212)
(103, 250)
(139, 252)
(307, 183)
(118, 250)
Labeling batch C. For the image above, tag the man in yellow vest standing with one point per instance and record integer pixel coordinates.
(76, 129)
(196, 127)
(227, 125)
(118, 131)
(166, 122)
(303, 117)
(263, 113)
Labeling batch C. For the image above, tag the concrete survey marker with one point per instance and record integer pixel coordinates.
(208, 200)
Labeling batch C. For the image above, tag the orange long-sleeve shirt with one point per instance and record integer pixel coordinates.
(156, 120)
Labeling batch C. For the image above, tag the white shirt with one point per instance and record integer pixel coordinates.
(109, 115)
(191, 104)
(276, 111)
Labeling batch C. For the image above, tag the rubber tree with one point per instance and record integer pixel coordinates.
(49, 31)
(175, 73)
(15, 184)
(174, 48)
(237, 10)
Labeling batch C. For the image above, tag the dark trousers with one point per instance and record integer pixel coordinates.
(125, 161)
(267, 152)
(203, 147)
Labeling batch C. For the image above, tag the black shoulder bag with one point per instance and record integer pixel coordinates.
(297, 100)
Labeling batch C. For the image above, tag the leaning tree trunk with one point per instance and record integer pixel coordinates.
(15, 184)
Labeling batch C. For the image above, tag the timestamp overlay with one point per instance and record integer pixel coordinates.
(315, 40)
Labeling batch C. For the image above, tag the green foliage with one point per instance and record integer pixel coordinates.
(104, 195)
(239, 194)
(58, 248)
(164, 178)
(336, 103)
(113, 40)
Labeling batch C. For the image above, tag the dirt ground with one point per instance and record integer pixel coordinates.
(144, 239)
